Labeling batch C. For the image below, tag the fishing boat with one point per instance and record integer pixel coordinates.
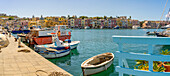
(55, 52)
(73, 45)
(116, 27)
(57, 43)
(97, 63)
(165, 27)
(165, 33)
(40, 37)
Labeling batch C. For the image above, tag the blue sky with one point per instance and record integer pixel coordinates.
(138, 9)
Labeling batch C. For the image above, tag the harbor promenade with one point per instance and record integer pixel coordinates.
(20, 63)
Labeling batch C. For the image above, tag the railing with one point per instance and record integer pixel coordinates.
(150, 57)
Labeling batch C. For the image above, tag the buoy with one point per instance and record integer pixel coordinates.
(52, 33)
(69, 33)
(67, 47)
(69, 41)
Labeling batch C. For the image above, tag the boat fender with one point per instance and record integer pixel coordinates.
(69, 33)
(67, 47)
(27, 40)
(69, 41)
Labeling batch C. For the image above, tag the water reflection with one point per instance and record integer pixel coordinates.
(164, 47)
(66, 60)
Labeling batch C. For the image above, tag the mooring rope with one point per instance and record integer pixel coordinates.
(54, 73)
(81, 73)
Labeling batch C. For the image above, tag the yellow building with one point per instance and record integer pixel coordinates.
(119, 23)
(1, 21)
(31, 23)
(61, 19)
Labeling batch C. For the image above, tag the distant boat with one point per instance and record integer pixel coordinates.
(101, 27)
(135, 27)
(166, 27)
(97, 63)
(20, 31)
(116, 27)
(164, 33)
(86, 27)
(151, 33)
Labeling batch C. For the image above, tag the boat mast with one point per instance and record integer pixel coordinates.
(162, 14)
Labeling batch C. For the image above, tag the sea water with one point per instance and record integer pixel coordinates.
(97, 41)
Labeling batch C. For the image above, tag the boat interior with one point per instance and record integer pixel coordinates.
(100, 59)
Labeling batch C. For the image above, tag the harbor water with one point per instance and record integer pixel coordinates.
(97, 41)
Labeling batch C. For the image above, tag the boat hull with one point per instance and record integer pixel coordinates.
(64, 37)
(52, 55)
(74, 46)
(48, 39)
(90, 71)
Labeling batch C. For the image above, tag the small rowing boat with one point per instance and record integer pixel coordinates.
(97, 63)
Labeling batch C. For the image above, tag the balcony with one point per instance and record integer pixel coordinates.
(150, 57)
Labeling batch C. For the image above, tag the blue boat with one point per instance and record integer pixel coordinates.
(17, 32)
(26, 31)
(20, 31)
(55, 52)
(116, 27)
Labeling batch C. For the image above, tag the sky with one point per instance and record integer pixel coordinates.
(137, 9)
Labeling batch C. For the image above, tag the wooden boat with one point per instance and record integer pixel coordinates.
(55, 52)
(97, 63)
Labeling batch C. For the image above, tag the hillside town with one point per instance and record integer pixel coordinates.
(81, 22)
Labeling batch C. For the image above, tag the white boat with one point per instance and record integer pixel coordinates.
(56, 43)
(73, 45)
(135, 27)
(97, 63)
(55, 52)
(86, 27)
(165, 27)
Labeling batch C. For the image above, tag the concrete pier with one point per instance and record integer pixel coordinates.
(14, 63)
